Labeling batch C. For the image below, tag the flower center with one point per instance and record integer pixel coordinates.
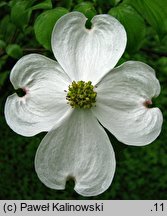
(81, 95)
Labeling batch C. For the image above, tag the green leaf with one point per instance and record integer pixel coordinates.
(64, 3)
(87, 9)
(3, 3)
(2, 44)
(114, 2)
(14, 51)
(21, 13)
(7, 29)
(3, 77)
(44, 25)
(28, 2)
(162, 65)
(154, 11)
(133, 23)
(3, 60)
(45, 5)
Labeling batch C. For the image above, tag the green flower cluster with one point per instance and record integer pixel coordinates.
(81, 95)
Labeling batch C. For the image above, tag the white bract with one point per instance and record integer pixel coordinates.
(76, 145)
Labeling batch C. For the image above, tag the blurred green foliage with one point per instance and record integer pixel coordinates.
(86, 8)
(141, 171)
(47, 18)
(133, 23)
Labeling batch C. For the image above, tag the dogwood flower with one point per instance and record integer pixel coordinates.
(72, 98)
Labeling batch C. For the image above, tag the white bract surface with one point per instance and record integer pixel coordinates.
(76, 145)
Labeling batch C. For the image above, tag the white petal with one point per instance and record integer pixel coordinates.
(45, 101)
(121, 103)
(80, 149)
(88, 54)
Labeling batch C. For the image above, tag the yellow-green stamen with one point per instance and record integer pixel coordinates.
(81, 95)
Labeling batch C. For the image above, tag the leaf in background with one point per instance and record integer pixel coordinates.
(133, 23)
(14, 51)
(3, 76)
(2, 44)
(87, 9)
(64, 3)
(162, 65)
(45, 5)
(7, 29)
(13, 2)
(154, 11)
(3, 60)
(3, 3)
(44, 25)
(21, 13)
(114, 2)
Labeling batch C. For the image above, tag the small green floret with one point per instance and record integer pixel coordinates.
(81, 95)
